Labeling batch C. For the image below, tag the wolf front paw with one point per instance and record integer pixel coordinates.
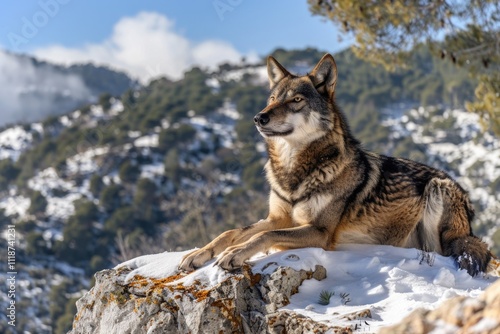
(195, 259)
(232, 258)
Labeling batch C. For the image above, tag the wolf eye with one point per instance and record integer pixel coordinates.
(297, 99)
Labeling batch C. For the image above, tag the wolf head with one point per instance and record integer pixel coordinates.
(300, 109)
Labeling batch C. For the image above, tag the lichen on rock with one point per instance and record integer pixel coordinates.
(243, 303)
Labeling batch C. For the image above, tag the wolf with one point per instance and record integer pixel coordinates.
(327, 190)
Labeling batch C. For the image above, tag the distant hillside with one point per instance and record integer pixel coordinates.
(426, 81)
(32, 90)
(170, 165)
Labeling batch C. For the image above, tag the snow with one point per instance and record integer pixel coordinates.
(46, 180)
(390, 281)
(165, 124)
(444, 278)
(64, 120)
(13, 141)
(38, 127)
(213, 83)
(61, 208)
(199, 122)
(50, 234)
(229, 109)
(468, 152)
(153, 170)
(147, 141)
(165, 264)
(134, 134)
(76, 114)
(116, 107)
(261, 147)
(224, 129)
(15, 205)
(84, 162)
(259, 73)
(96, 111)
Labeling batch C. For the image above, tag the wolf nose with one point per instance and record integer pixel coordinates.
(261, 119)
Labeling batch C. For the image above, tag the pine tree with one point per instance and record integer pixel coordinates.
(387, 32)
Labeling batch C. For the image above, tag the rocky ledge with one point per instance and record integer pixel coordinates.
(459, 315)
(242, 303)
(128, 300)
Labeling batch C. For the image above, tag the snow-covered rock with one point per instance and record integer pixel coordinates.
(457, 315)
(371, 287)
(124, 302)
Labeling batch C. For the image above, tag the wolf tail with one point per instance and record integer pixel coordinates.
(448, 208)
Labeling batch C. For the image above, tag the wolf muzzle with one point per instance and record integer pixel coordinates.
(261, 119)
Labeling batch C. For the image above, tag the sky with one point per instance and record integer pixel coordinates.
(161, 37)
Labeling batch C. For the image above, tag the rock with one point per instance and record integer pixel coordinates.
(457, 315)
(294, 323)
(243, 303)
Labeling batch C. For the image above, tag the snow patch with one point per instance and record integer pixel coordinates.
(152, 171)
(84, 163)
(259, 74)
(61, 207)
(147, 141)
(14, 141)
(165, 264)
(15, 205)
(444, 278)
(116, 107)
(46, 180)
(229, 109)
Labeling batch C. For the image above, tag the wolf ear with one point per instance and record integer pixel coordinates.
(324, 76)
(275, 71)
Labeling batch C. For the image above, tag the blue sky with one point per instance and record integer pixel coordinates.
(115, 32)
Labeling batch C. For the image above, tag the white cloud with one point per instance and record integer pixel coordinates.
(30, 91)
(146, 46)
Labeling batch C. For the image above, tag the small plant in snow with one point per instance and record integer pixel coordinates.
(324, 297)
(427, 257)
(345, 298)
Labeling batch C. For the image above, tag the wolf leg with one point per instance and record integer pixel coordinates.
(448, 206)
(200, 256)
(278, 218)
(291, 238)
